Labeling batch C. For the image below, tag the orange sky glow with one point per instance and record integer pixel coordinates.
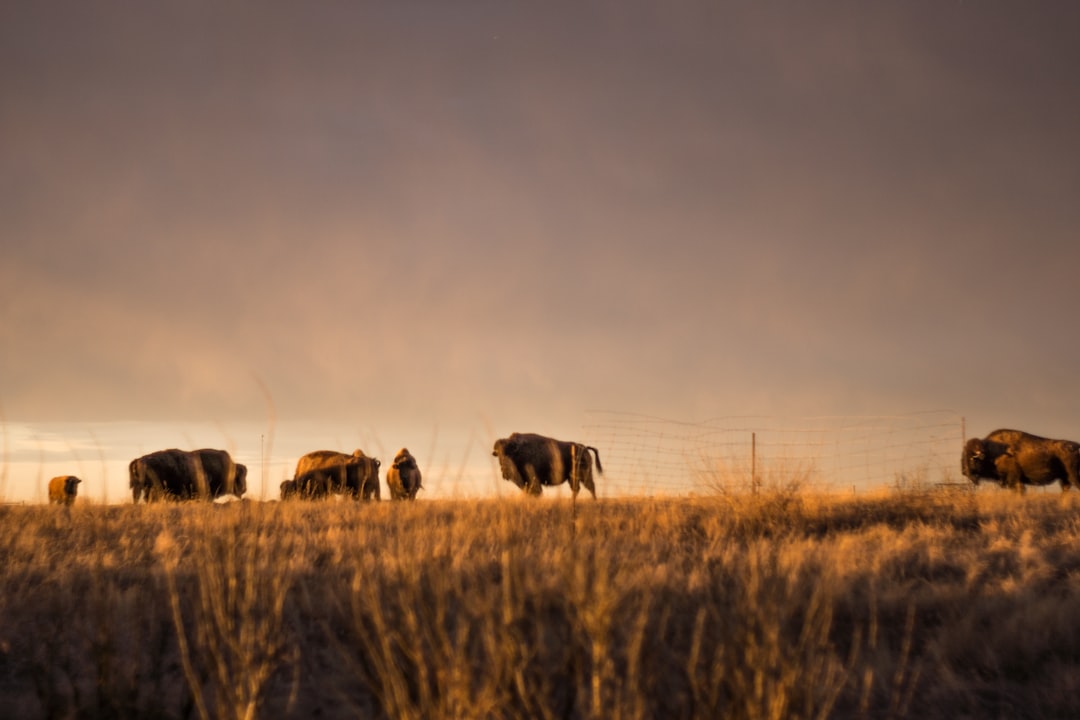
(432, 224)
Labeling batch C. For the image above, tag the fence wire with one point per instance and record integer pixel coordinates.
(649, 455)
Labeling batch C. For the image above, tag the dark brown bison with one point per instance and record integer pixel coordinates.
(531, 461)
(403, 476)
(326, 472)
(1016, 459)
(181, 475)
(63, 489)
(322, 482)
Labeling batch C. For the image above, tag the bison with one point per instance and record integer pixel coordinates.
(531, 461)
(403, 476)
(181, 475)
(326, 472)
(1016, 459)
(288, 489)
(321, 482)
(63, 489)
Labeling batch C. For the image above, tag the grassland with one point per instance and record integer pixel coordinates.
(772, 605)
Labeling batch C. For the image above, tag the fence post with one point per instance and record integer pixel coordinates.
(753, 463)
(264, 472)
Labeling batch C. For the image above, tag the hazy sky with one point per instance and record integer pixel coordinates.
(469, 218)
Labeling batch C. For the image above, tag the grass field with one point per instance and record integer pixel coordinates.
(775, 605)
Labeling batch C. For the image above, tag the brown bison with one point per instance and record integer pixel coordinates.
(530, 461)
(181, 475)
(63, 489)
(1016, 459)
(403, 476)
(325, 472)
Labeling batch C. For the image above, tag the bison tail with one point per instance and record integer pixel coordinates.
(599, 467)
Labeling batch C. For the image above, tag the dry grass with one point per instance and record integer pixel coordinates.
(780, 604)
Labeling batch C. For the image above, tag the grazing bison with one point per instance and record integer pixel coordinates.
(530, 461)
(63, 489)
(1017, 459)
(325, 472)
(321, 482)
(160, 475)
(182, 475)
(403, 476)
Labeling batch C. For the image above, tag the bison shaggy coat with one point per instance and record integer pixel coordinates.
(403, 476)
(181, 475)
(1016, 459)
(325, 472)
(531, 461)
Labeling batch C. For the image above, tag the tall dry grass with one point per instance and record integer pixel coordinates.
(779, 604)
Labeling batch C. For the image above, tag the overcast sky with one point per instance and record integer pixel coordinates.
(407, 219)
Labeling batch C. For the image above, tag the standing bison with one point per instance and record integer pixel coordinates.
(182, 475)
(1017, 459)
(403, 476)
(530, 461)
(326, 472)
(63, 489)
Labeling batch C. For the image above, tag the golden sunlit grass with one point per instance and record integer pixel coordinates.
(778, 604)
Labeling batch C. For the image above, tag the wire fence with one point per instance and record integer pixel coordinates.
(650, 455)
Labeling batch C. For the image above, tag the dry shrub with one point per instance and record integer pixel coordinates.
(779, 603)
(227, 592)
(83, 618)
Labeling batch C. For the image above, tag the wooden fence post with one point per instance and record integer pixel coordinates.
(753, 463)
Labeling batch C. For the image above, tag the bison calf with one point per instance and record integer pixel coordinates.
(63, 489)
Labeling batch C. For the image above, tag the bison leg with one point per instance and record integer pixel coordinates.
(532, 485)
(510, 471)
(1072, 469)
(586, 472)
(581, 473)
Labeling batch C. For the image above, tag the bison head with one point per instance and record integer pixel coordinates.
(240, 480)
(975, 462)
(403, 459)
(504, 450)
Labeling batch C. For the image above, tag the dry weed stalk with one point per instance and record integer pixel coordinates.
(234, 636)
(744, 606)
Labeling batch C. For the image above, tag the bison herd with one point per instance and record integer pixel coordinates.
(528, 460)
(1012, 458)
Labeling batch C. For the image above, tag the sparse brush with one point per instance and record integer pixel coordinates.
(768, 604)
(227, 595)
